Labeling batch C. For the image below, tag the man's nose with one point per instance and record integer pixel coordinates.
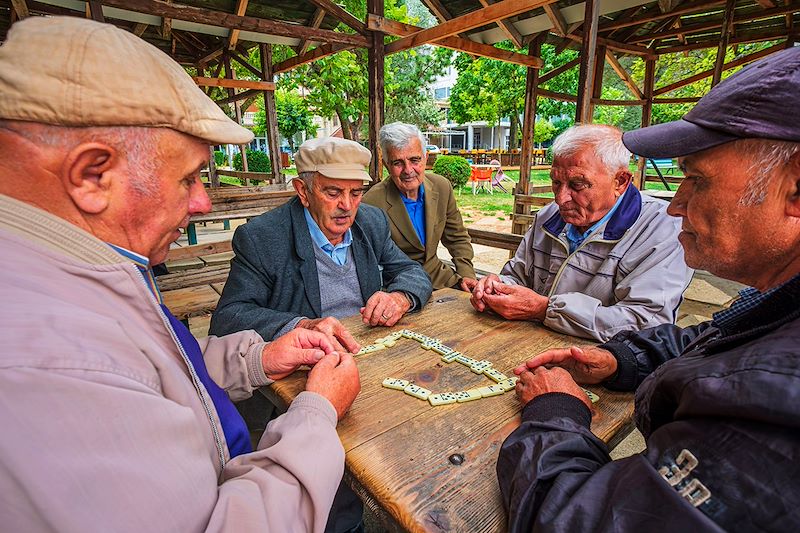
(345, 202)
(562, 195)
(677, 207)
(199, 202)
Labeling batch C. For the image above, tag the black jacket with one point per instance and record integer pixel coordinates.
(727, 397)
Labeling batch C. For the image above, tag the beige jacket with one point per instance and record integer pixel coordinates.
(103, 428)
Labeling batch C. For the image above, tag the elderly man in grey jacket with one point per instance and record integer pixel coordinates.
(602, 258)
(114, 417)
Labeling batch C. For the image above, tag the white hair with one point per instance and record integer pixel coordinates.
(398, 135)
(139, 145)
(766, 157)
(307, 178)
(606, 141)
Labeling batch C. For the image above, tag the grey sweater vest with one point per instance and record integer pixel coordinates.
(339, 290)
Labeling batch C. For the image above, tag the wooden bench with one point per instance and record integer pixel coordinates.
(230, 203)
(667, 165)
(195, 291)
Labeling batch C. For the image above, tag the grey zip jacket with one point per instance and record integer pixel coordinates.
(629, 274)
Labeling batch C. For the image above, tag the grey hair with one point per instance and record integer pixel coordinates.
(398, 135)
(139, 145)
(606, 141)
(766, 157)
(307, 178)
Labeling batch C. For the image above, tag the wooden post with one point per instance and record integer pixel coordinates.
(213, 177)
(271, 113)
(647, 116)
(583, 113)
(238, 110)
(375, 72)
(597, 82)
(528, 123)
(727, 25)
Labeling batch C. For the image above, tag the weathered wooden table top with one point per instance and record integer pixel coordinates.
(398, 446)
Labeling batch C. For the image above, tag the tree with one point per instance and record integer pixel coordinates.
(294, 117)
(337, 84)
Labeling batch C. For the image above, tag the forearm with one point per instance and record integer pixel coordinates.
(234, 362)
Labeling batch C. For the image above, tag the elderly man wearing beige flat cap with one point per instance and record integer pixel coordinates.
(114, 417)
(321, 256)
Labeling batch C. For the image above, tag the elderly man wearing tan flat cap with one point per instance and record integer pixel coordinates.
(320, 257)
(114, 417)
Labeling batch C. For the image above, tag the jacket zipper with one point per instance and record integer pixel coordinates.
(566, 259)
(195, 378)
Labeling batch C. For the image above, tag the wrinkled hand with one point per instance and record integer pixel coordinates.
(468, 284)
(485, 285)
(516, 302)
(543, 380)
(336, 378)
(299, 347)
(341, 339)
(586, 364)
(385, 308)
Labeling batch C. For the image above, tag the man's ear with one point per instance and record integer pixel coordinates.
(302, 193)
(793, 189)
(621, 181)
(87, 174)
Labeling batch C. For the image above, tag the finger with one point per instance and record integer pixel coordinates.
(555, 356)
(347, 340)
(310, 356)
(329, 362)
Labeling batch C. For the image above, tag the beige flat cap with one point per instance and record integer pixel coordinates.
(68, 71)
(334, 158)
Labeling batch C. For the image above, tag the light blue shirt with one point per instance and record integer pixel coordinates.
(416, 212)
(575, 239)
(337, 253)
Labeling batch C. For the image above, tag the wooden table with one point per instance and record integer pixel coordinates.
(398, 446)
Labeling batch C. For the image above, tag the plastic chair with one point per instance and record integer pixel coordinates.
(499, 176)
(481, 177)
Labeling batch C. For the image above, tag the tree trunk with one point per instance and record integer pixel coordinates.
(346, 132)
(514, 128)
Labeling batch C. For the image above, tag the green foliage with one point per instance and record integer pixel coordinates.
(257, 161)
(294, 117)
(543, 131)
(220, 158)
(454, 168)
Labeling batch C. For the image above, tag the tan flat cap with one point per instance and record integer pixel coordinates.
(67, 71)
(334, 158)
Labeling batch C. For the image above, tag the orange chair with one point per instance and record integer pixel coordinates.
(481, 177)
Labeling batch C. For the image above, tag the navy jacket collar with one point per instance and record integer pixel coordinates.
(622, 219)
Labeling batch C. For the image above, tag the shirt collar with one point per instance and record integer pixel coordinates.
(320, 239)
(143, 264)
(420, 196)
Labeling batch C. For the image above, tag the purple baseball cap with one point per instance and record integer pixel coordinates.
(759, 101)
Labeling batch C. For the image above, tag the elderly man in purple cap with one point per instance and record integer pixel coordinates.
(718, 402)
(114, 417)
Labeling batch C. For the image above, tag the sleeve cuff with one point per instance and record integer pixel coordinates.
(255, 366)
(311, 401)
(289, 326)
(557, 405)
(627, 369)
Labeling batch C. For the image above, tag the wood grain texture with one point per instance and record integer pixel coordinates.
(398, 447)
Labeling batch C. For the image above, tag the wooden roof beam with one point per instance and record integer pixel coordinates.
(166, 25)
(666, 6)
(233, 54)
(139, 29)
(341, 14)
(687, 30)
(233, 36)
(550, 74)
(227, 20)
(474, 19)
(240, 96)
(624, 75)
(21, 9)
(392, 27)
(506, 27)
(315, 22)
(710, 72)
(555, 16)
(234, 84)
(713, 42)
(623, 48)
(317, 53)
(766, 4)
(95, 11)
(686, 10)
